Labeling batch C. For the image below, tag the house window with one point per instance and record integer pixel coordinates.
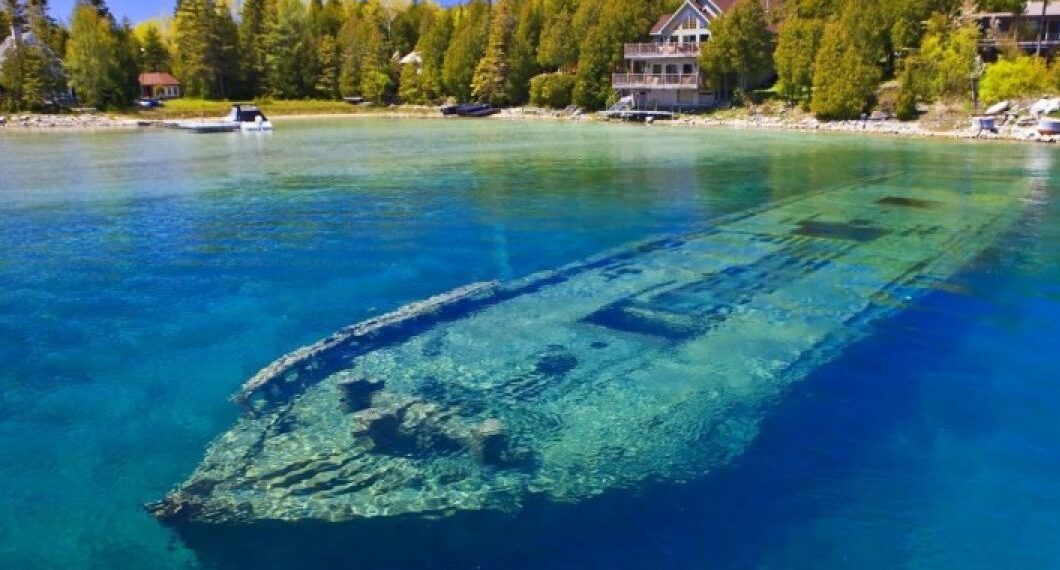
(688, 69)
(671, 68)
(656, 69)
(703, 37)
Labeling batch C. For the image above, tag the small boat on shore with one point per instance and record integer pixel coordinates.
(242, 117)
(1049, 126)
(470, 110)
(985, 123)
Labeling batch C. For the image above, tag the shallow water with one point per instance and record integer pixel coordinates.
(146, 275)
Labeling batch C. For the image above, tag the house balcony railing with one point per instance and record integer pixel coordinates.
(655, 80)
(660, 49)
(1051, 39)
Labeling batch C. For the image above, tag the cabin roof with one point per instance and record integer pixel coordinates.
(158, 78)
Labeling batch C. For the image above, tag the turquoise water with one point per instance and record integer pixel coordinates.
(146, 275)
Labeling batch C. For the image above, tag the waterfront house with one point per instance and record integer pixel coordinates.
(1000, 27)
(664, 73)
(159, 85)
(53, 64)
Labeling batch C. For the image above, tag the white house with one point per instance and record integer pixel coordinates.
(664, 73)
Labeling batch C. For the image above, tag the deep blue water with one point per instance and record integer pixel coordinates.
(146, 275)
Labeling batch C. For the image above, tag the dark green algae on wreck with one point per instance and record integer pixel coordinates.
(653, 362)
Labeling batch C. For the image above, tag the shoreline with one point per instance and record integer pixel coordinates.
(32, 123)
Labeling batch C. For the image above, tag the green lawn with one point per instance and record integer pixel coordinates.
(194, 108)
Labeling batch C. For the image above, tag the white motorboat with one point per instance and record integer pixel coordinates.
(249, 118)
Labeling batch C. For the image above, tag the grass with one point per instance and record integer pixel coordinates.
(195, 108)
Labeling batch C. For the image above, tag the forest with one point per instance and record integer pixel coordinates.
(830, 56)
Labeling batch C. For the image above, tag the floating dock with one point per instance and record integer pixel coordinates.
(637, 115)
(652, 362)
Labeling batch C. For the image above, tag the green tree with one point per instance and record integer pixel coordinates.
(795, 55)
(252, 49)
(492, 82)
(327, 83)
(558, 47)
(845, 76)
(352, 57)
(468, 45)
(287, 48)
(192, 38)
(948, 56)
(377, 66)
(740, 46)
(436, 30)
(96, 59)
(154, 55)
(523, 52)
(224, 52)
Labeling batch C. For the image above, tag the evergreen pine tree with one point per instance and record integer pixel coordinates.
(377, 66)
(558, 48)
(327, 57)
(287, 44)
(435, 34)
(845, 76)
(492, 82)
(252, 24)
(523, 53)
(224, 53)
(192, 35)
(468, 45)
(154, 55)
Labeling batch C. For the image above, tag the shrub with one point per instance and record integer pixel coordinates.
(551, 90)
(1021, 77)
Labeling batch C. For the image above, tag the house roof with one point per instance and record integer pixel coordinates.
(158, 78)
(28, 39)
(1034, 8)
(707, 13)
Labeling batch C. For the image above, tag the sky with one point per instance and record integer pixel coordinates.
(136, 10)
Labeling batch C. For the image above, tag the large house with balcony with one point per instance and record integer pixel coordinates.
(664, 73)
(1036, 29)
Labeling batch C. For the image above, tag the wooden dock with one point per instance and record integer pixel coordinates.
(638, 115)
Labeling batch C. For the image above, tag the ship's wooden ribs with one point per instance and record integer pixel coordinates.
(304, 358)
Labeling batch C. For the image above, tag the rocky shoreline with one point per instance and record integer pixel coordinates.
(883, 127)
(67, 122)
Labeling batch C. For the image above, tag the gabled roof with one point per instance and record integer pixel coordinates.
(708, 11)
(158, 78)
(717, 7)
(30, 40)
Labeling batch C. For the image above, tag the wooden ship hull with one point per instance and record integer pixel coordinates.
(654, 362)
